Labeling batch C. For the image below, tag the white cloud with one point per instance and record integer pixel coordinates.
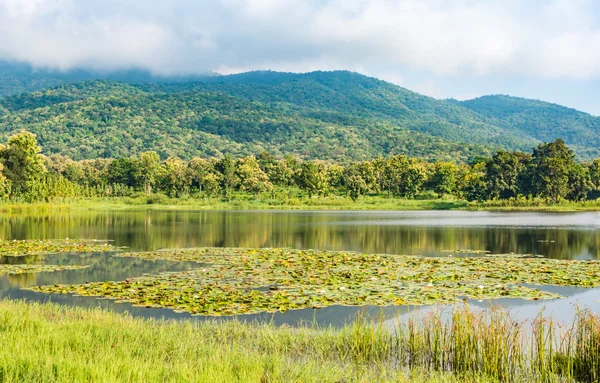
(548, 39)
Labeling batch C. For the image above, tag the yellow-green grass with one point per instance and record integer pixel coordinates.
(264, 202)
(316, 203)
(50, 343)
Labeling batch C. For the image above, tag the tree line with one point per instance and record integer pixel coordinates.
(549, 172)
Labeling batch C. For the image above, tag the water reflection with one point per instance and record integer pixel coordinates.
(561, 236)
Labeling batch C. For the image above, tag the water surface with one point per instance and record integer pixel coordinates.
(555, 235)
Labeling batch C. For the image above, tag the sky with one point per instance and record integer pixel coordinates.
(543, 49)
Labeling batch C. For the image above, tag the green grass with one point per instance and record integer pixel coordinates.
(50, 343)
(243, 201)
(316, 203)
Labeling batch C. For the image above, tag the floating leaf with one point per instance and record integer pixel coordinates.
(27, 269)
(233, 281)
(17, 248)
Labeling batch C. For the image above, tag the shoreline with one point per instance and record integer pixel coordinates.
(315, 204)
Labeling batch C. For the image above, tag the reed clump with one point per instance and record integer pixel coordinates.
(492, 343)
(488, 343)
(579, 353)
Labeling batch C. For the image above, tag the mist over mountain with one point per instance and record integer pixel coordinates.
(17, 78)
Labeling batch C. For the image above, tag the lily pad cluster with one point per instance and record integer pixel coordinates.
(28, 269)
(467, 251)
(23, 248)
(513, 255)
(230, 281)
(17, 248)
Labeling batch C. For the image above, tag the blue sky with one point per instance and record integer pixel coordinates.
(545, 49)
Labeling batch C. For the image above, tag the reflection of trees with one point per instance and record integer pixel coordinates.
(336, 231)
(21, 280)
(22, 260)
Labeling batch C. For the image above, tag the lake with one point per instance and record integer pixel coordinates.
(428, 233)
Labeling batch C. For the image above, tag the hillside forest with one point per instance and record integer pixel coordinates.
(331, 116)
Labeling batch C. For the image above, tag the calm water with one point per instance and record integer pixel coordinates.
(561, 236)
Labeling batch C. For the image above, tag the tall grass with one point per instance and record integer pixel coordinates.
(49, 343)
(491, 343)
(579, 354)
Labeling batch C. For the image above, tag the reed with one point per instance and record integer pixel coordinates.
(491, 343)
(578, 356)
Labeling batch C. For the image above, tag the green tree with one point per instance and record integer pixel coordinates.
(355, 183)
(266, 161)
(393, 173)
(74, 172)
(379, 164)
(122, 171)
(580, 184)
(251, 177)
(504, 172)
(594, 170)
(174, 177)
(22, 163)
(198, 171)
(229, 180)
(212, 184)
(551, 165)
(96, 171)
(335, 176)
(313, 178)
(57, 163)
(282, 173)
(444, 178)
(413, 179)
(147, 170)
(4, 184)
(473, 183)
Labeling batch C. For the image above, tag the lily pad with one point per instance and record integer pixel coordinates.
(18, 248)
(467, 251)
(28, 269)
(233, 281)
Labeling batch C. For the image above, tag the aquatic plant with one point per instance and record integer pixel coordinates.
(232, 281)
(17, 248)
(466, 251)
(27, 269)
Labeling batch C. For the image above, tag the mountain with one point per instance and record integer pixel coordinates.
(318, 115)
(542, 120)
(111, 119)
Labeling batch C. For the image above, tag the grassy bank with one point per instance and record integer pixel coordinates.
(48, 343)
(321, 203)
(245, 202)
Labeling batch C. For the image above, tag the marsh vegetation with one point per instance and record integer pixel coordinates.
(50, 343)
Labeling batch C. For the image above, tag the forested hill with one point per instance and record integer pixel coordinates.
(323, 115)
(542, 120)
